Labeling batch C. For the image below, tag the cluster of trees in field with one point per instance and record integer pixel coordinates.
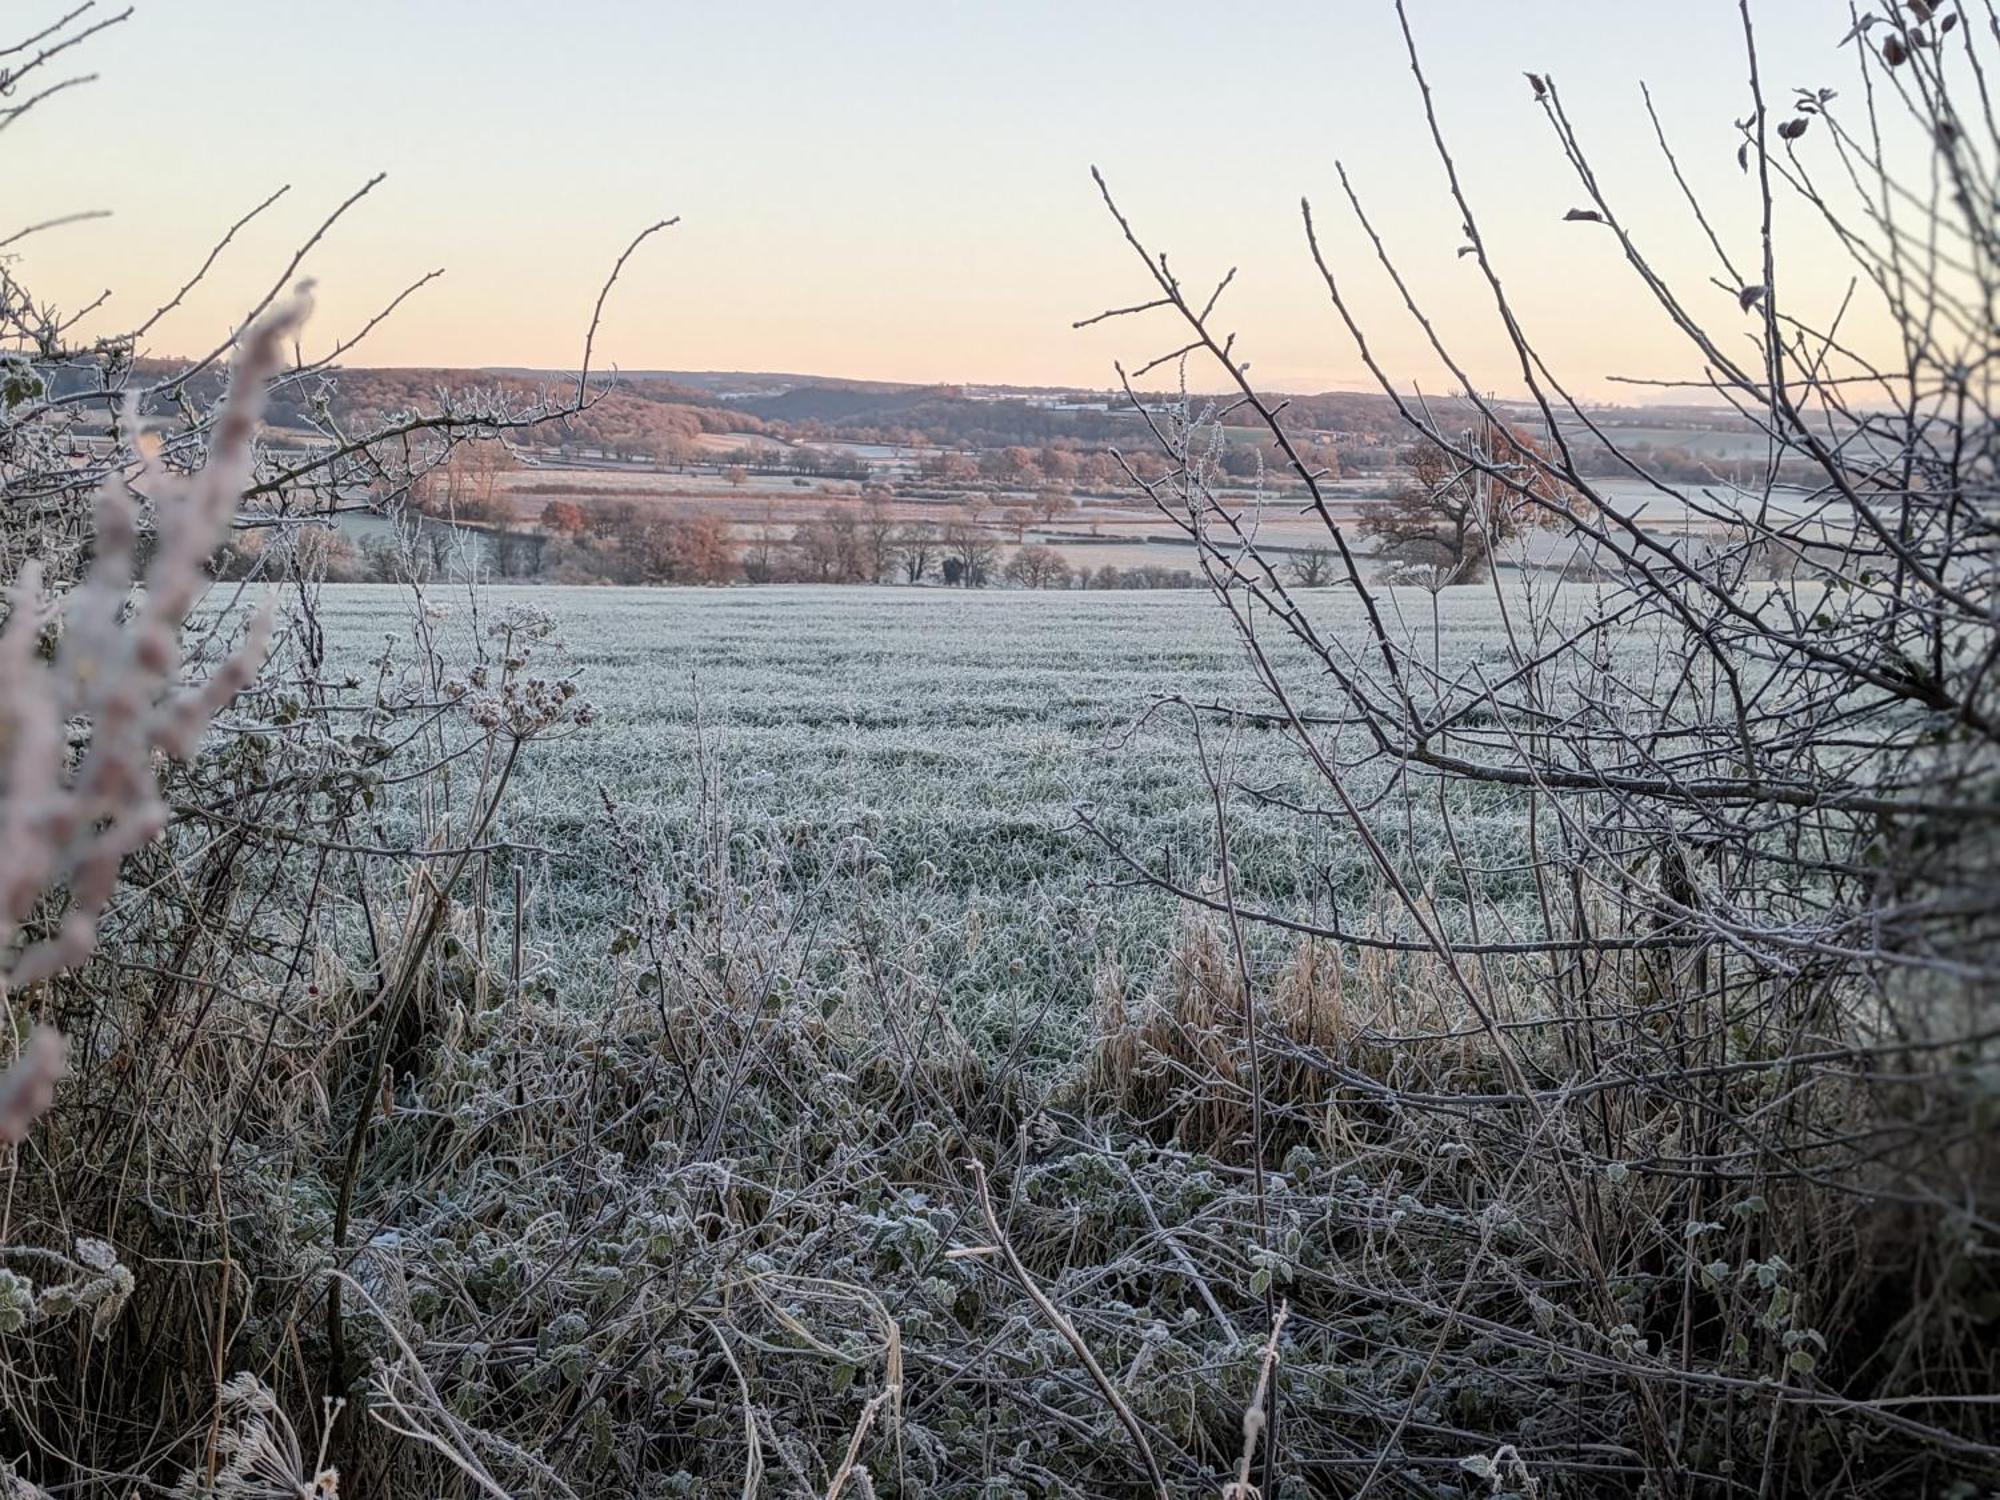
(1440, 524)
(635, 421)
(631, 543)
(463, 501)
(868, 544)
(800, 460)
(843, 544)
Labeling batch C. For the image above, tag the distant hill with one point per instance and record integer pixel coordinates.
(678, 415)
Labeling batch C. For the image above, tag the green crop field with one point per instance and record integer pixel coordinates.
(934, 747)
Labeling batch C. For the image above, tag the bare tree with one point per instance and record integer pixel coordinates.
(1018, 518)
(917, 544)
(1052, 504)
(1312, 568)
(764, 557)
(1447, 519)
(877, 540)
(1038, 567)
(1722, 1034)
(969, 552)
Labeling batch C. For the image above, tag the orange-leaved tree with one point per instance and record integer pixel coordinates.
(1451, 510)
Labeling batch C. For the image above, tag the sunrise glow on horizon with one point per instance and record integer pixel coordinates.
(893, 192)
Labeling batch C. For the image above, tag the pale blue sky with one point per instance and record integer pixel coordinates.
(888, 190)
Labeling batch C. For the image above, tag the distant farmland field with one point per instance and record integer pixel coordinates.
(930, 746)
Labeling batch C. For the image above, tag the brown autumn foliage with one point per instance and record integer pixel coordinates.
(564, 518)
(636, 420)
(1448, 517)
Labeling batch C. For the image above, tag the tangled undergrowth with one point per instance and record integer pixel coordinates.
(720, 1229)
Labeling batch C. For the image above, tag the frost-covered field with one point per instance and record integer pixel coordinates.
(929, 746)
